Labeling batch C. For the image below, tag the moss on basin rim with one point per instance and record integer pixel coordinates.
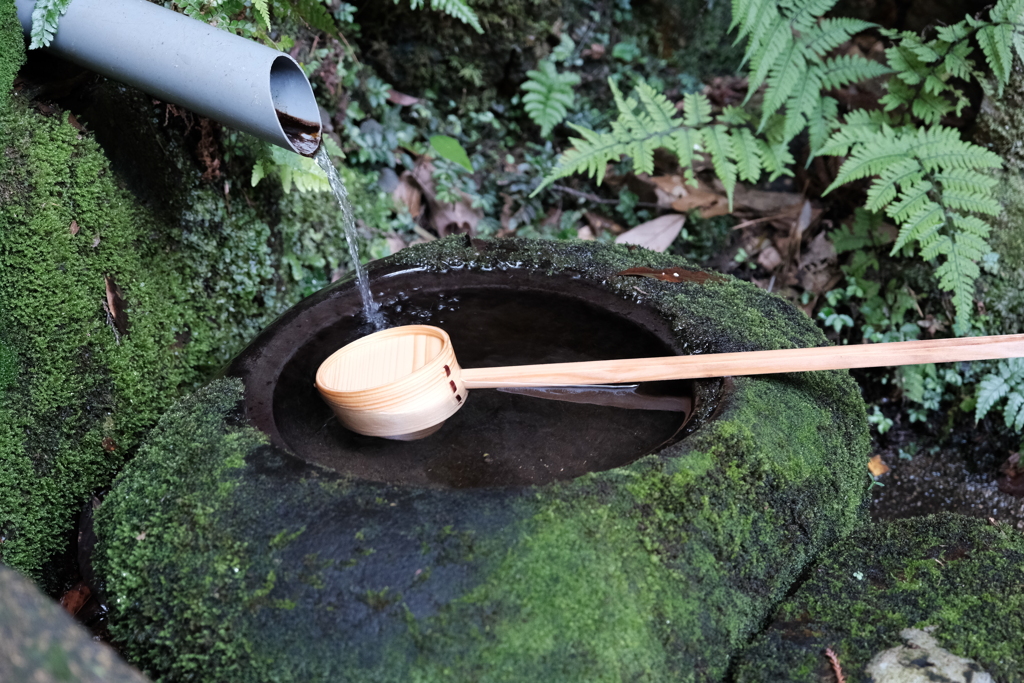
(958, 575)
(227, 559)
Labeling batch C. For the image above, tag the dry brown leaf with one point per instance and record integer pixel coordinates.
(763, 202)
(407, 194)
(446, 219)
(595, 51)
(674, 274)
(769, 258)
(818, 265)
(876, 466)
(395, 242)
(657, 234)
(600, 223)
(395, 97)
(74, 227)
(75, 598)
(108, 444)
(115, 305)
(585, 233)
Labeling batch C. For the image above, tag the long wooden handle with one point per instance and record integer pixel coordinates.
(747, 363)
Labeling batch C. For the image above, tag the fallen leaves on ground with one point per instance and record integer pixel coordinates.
(1013, 480)
(657, 234)
(446, 219)
(75, 598)
(876, 466)
(74, 227)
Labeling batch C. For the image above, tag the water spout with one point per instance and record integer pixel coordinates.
(217, 74)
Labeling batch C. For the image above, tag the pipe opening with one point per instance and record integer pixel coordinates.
(295, 106)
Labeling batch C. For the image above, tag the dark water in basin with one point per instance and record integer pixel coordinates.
(497, 439)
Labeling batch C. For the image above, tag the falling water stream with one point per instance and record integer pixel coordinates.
(371, 309)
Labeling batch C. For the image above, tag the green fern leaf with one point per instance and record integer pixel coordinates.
(830, 33)
(838, 72)
(777, 159)
(45, 15)
(315, 14)
(784, 79)
(958, 274)
(805, 13)
(995, 41)
(696, 110)
(969, 201)
(457, 9)
(820, 124)
(549, 95)
(991, 390)
(921, 226)
(264, 12)
(912, 200)
(718, 144)
(904, 173)
(778, 42)
(957, 62)
(1013, 411)
(747, 155)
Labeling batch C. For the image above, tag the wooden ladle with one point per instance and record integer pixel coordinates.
(404, 382)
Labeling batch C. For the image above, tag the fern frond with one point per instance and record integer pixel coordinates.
(640, 128)
(830, 33)
(315, 14)
(912, 200)
(1013, 411)
(696, 110)
(820, 124)
(995, 41)
(940, 148)
(45, 15)
(777, 159)
(957, 274)
(718, 144)
(747, 155)
(904, 173)
(838, 72)
(803, 14)
(261, 9)
(785, 77)
(778, 41)
(921, 226)
(549, 95)
(457, 9)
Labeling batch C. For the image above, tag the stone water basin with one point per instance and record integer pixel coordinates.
(253, 538)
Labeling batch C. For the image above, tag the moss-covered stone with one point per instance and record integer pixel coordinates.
(41, 643)
(226, 559)
(960, 575)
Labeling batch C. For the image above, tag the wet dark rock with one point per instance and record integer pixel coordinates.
(230, 553)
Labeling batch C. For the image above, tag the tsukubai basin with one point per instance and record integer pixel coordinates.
(526, 539)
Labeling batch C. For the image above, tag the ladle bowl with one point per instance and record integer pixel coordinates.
(401, 383)
(404, 382)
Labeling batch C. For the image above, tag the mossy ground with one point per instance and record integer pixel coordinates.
(256, 566)
(959, 574)
(199, 276)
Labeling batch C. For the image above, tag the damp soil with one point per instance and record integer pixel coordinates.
(497, 438)
(959, 474)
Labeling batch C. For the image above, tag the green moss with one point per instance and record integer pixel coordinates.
(187, 458)
(654, 571)
(200, 275)
(955, 573)
(12, 50)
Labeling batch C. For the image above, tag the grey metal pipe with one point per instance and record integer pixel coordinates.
(238, 82)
